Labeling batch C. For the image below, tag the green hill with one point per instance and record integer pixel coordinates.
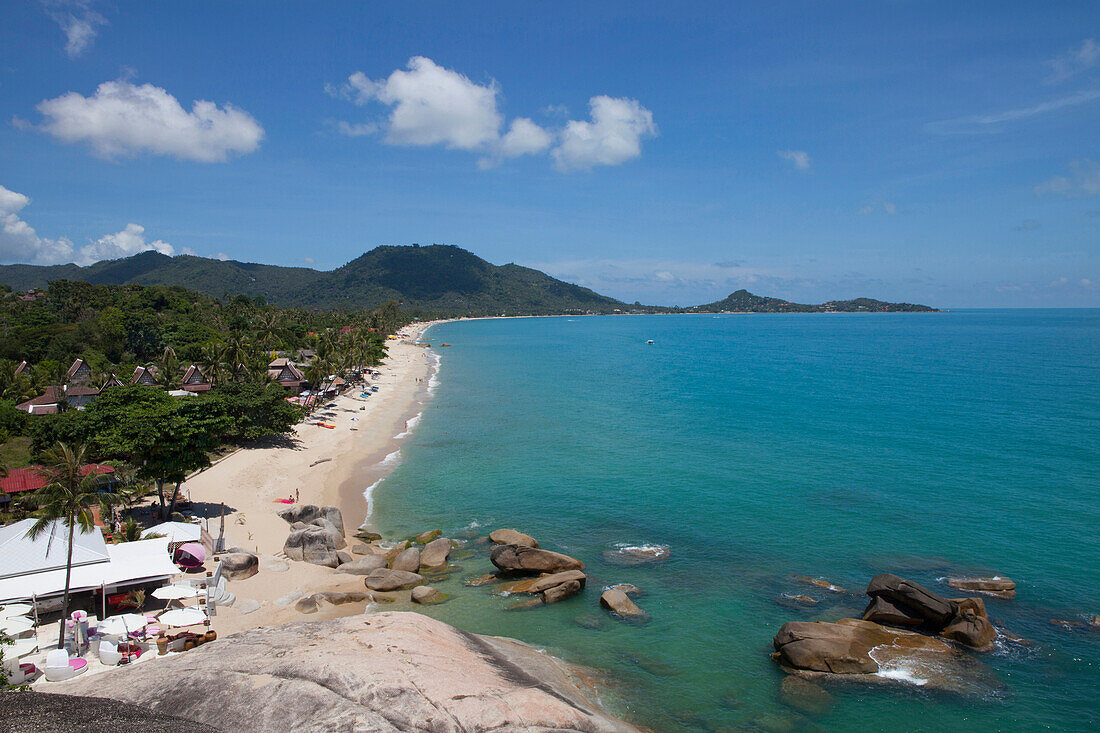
(438, 278)
(743, 301)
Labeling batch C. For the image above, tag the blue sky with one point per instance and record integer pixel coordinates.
(944, 153)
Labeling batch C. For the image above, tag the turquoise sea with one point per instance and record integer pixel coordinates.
(757, 447)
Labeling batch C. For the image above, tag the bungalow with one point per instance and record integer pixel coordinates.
(79, 395)
(143, 375)
(79, 373)
(194, 380)
(33, 478)
(284, 372)
(112, 381)
(47, 403)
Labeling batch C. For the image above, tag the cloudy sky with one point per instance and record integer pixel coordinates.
(944, 153)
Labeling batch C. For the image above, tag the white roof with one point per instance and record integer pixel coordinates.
(20, 555)
(176, 531)
(127, 562)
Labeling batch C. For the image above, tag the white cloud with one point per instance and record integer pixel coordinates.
(309, 260)
(129, 241)
(79, 23)
(1075, 61)
(991, 122)
(799, 158)
(865, 209)
(524, 137)
(433, 105)
(356, 129)
(890, 207)
(222, 256)
(123, 119)
(613, 136)
(1083, 180)
(189, 251)
(19, 242)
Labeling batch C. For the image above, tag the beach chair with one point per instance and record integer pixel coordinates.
(59, 667)
(109, 653)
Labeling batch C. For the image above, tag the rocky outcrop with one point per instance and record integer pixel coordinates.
(239, 565)
(427, 595)
(995, 586)
(901, 602)
(845, 647)
(308, 513)
(435, 553)
(425, 537)
(387, 579)
(550, 588)
(363, 566)
(620, 604)
(512, 537)
(408, 560)
(383, 672)
(312, 544)
(520, 559)
(804, 696)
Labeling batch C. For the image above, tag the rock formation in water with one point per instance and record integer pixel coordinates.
(381, 672)
(521, 559)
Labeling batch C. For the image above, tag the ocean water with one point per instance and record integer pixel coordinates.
(761, 447)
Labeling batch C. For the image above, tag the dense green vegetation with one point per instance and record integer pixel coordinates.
(116, 328)
(743, 301)
(432, 280)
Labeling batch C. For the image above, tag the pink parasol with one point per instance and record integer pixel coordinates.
(190, 555)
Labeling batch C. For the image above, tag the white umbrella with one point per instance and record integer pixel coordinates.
(120, 625)
(21, 648)
(16, 625)
(175, 592)
(15, 609)
(182, 617)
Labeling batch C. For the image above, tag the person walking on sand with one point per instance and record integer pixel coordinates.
(297, 495)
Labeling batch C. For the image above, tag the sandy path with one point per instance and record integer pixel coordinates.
(250, 481)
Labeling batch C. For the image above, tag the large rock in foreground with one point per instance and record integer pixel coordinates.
(383, 672)
(512, 537)
(523, 559)
(313, 544)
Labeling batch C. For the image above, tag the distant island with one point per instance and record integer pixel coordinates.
(743, 301)
(435, 280)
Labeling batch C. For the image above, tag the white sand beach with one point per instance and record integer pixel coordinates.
(324, 467)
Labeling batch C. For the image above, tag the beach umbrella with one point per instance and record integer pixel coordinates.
(15, 609)
(190, 555)
(15, 625)
(121, 625)
(175, 592)
(182, 617)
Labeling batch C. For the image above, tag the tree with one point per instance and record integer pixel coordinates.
(254, 410)
(68, 497)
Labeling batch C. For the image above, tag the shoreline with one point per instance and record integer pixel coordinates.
(327, 467)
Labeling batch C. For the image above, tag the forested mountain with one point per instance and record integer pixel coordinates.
(441, 279)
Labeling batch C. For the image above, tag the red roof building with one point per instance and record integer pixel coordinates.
(33, 478)
(194, 380)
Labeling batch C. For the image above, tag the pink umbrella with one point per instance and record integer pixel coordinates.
(190, 555)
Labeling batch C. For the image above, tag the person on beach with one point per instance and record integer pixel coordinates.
(297, 495)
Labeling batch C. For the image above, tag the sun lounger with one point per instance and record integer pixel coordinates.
(59, 667)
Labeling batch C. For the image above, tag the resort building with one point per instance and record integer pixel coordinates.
(79, 373)
(47, 403)
(143, 375)
(33, 478)
(79, 395)
(194, 380)
(284, 372)
(112, 381)
(34, 570)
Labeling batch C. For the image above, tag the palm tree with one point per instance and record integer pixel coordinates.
(68, 497)
(168, 368)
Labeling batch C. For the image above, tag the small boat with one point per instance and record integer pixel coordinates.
(650, 341)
